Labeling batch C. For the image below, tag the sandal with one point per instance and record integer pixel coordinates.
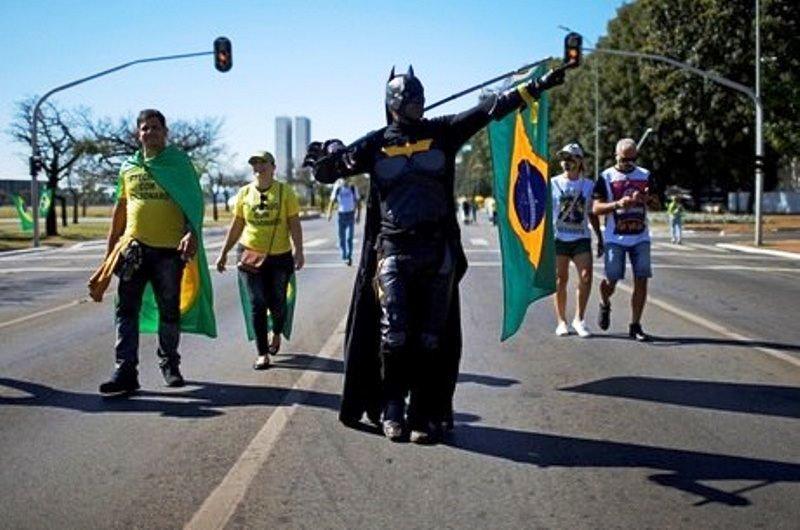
(262, 363)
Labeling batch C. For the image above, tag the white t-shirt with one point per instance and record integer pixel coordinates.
(572, 204)
(626, 227)
(346, 196)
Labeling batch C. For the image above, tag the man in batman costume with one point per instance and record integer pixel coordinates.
(403, 332)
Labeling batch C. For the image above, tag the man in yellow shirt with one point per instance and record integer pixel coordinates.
(160, 243)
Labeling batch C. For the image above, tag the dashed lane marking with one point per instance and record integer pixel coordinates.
(219, 507)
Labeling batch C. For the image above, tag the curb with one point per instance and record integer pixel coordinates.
(763, 251)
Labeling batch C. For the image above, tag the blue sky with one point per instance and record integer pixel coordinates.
(325, 60)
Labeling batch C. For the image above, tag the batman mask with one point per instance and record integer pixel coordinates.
(405, 96)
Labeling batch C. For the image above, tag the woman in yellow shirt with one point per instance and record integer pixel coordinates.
(266, 217)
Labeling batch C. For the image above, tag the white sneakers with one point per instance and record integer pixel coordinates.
(579, 326)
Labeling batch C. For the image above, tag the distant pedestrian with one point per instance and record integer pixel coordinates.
(622, 194)
(266, 224)
(473, 206)
(465, 210)
(572, 213)
(345, 195)
(675, 213)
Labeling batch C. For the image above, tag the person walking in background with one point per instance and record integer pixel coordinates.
(572, 212)
(675, 213)
(622, 194)
(156, 238)
(345, 195)
(266, 216)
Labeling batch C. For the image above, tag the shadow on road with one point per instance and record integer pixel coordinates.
(200, 399)
(770, 400)
(656, 340)
(684, 469)
(487, 380)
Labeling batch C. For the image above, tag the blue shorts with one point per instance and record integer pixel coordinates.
(615, 260)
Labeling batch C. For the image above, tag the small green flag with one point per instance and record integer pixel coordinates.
(522, 195)
(26, 217)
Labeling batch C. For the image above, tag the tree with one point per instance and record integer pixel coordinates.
(58, 135)
(704, 132)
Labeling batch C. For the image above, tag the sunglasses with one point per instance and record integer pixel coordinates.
(262, 205)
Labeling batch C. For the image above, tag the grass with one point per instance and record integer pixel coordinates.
(12, 238)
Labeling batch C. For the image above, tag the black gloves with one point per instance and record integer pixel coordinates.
(317, 150)
(551, 79)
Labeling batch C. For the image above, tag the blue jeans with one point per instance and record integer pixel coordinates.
(163, 268)
(675, 228)
(346, 229)
(615, 260)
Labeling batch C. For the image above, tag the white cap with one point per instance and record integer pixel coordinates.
(573, 149)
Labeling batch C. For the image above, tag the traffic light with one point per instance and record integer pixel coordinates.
(572, 49)
(223, 57)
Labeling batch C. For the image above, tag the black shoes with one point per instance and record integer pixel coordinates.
(120, 384)
(635, 331)
(172, 375)
(604, 316)
(393, 430)
(262, 362)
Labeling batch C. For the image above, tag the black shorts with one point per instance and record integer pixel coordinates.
(573, 248)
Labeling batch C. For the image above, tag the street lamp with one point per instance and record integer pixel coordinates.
(596, 109)
(222, 61)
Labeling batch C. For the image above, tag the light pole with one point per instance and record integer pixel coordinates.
(643, 138)
(596, 109)
(222, 61)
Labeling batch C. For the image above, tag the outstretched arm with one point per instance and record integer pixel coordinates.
(465, 124)
(332, 160)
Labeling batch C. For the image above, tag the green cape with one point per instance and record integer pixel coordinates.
(173, 171)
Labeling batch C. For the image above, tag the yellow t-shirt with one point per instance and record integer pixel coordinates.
(265, 227)
(152, 216)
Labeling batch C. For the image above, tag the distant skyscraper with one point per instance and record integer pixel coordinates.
(283, 147)
(302, 137)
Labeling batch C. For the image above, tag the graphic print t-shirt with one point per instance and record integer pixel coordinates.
(572, 204)
(626, 227)
(152, 216)
(265, 214)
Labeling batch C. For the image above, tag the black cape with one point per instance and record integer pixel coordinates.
(362, 368)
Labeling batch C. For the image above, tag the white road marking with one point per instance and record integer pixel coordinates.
(727, 268)
(47, 269)
(43, 312)
(761, 251)
(316, 242)
(217, 509)
(712, 248)
(710, 325)
(682, 248)
(478, 242)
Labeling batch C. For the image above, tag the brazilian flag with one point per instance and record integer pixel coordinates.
(174, 172)
(522, 194)
(25, 217)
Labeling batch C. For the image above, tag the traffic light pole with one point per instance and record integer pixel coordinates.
(36, 160)
(754, 95)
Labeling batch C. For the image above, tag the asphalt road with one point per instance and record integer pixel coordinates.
(697, 429)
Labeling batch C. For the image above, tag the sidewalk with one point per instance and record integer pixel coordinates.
(785, 248)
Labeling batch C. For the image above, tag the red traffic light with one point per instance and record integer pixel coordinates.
(573, 43)
(223, 56)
